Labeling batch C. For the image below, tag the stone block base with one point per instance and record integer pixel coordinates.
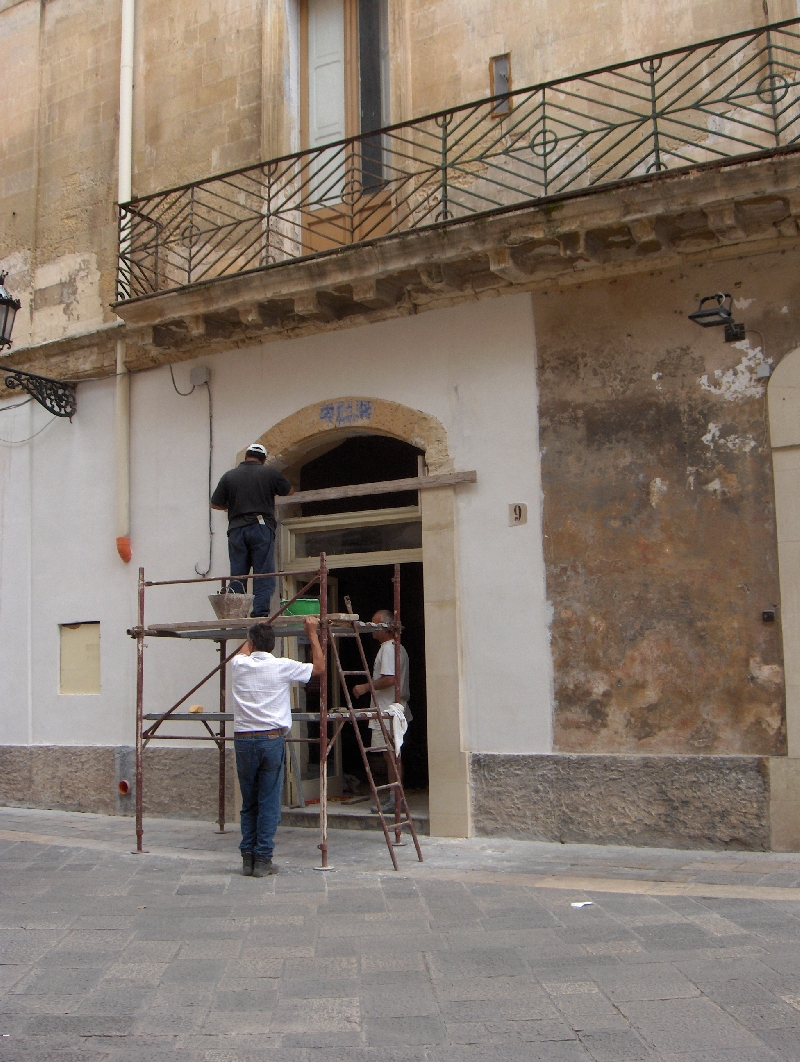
(182, 783)
(655, 801)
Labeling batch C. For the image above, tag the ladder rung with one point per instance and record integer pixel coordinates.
(362, 673)
(391, 785)
(392, 825)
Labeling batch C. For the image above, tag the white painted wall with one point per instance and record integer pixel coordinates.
(472, 367)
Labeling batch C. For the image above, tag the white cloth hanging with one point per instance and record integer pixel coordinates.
(399, 725)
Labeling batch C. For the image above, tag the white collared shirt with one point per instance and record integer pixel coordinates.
(261, 690)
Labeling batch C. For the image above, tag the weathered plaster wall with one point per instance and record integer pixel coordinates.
(659, 512)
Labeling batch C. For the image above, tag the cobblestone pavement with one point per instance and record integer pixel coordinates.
(478, 954)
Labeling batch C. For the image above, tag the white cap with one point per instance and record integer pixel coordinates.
(256, 448)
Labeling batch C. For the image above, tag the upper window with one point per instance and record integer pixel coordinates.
(345, 79)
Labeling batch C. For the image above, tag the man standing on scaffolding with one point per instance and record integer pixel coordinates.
(262, 717)
(247, 493)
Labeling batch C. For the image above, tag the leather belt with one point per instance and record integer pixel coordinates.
(259, 733)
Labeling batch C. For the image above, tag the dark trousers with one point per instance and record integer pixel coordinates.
(259, 765)
(253, 547)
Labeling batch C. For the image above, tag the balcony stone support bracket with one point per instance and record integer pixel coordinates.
(712, 212)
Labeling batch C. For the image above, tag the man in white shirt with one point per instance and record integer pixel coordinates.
(262, 716)
(383, 683)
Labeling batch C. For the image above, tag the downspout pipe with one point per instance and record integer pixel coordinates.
(122, 397)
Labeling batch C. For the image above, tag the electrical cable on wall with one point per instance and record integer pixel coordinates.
(19, 442)
(16, 405)
(185, 394)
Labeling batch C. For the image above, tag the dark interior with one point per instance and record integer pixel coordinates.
(367, 459)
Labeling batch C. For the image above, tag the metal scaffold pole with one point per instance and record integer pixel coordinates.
(139, 709)
(323, 714)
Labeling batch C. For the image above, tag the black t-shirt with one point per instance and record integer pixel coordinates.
(248, 491)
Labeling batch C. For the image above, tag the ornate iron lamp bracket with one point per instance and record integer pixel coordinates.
(57, 396)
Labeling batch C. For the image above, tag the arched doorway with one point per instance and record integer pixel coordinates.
(364, 538)
(305, 437)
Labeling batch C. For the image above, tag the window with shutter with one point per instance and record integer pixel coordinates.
(345, 54)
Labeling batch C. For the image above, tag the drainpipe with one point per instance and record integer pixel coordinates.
(122, 406)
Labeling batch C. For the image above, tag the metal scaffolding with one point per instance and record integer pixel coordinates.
(333, 626)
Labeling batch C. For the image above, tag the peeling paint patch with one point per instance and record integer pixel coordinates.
(690, 474)
(66, 296)
(739, 442)
(712, 435)
(741, 381)
(784, 309)
(657, 488)
(744, 443)
(724, 485)
(766, 674)
(742, 304)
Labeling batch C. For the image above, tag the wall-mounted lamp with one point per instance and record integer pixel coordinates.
(720, 313)
(57, 396)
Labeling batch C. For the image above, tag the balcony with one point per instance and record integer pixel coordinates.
(372, 222)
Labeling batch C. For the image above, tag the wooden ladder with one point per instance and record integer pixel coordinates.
(402, 813)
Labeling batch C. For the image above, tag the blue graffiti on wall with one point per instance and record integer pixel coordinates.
(341, 414)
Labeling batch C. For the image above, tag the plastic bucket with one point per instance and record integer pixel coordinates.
(303, 606)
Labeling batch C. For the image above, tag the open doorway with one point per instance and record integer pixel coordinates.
(364, 537)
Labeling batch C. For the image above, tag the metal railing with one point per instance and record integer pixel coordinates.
(719, 100)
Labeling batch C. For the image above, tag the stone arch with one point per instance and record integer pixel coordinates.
(316, 428)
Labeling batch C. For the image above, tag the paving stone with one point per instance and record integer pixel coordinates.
(616, 1046)
(687, 1025)
(404, 1030)
(645, 981)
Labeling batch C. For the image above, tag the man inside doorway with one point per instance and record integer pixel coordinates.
(247, 493)
(262, 716)
(383, 671)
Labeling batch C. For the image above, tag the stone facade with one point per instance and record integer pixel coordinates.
(182, 783)
(637, 800)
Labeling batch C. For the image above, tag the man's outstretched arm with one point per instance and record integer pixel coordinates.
(311, 624)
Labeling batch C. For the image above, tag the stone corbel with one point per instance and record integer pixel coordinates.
(250, 315)
(195, 325)
(646, 236)
(314, 305)
(723, 222)
(375, 294)
(440, 278)
(502, 264)
(791, 224)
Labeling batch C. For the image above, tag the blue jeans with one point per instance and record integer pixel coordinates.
(259, 764)
(253, 547)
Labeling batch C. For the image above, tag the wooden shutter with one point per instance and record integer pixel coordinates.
(326, 72)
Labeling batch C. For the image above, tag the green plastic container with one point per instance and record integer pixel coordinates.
(303, 606)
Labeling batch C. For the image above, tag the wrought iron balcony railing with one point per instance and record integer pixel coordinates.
(724, 99)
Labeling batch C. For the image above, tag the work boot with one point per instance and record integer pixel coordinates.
(263, 868)
(247, 864)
